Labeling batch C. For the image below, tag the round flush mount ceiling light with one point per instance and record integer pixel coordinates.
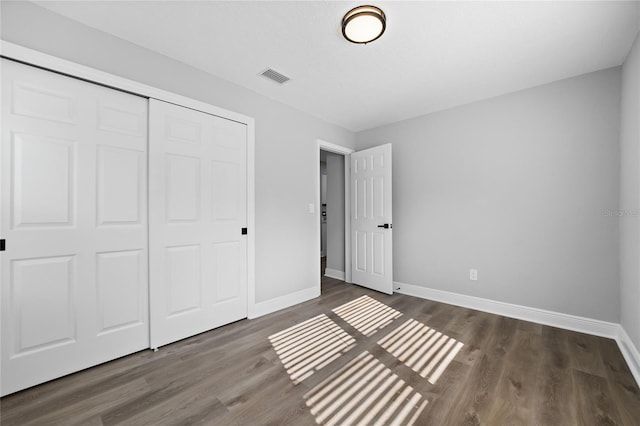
(363, 24)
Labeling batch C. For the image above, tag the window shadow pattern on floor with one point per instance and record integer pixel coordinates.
(310, 345)
(364, 391)
(366, 314)
(423, 349)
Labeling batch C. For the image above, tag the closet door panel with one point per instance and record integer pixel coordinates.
(73, 179)
(198, 255)
(43, 293)
(182, 188)
(42, 162)
(121, 290)
(119, 223)
(120, 186)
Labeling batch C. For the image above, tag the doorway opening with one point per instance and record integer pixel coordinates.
(368, 237)
(334, 221)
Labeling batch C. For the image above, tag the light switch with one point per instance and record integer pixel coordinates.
(312, 208)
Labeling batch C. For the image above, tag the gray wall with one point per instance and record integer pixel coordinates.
(630, 195)
(335, 212)
(286, 139)
(519, 187)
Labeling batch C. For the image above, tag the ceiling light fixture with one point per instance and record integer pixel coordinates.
(363, 24)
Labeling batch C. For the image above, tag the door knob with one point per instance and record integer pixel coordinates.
(385, 226)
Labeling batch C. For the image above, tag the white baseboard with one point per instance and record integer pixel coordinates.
(334, 273)
(282, 302)
(541, 316)
(630, 352)
(555, 319)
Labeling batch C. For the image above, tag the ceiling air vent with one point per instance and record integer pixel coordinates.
(274, 75)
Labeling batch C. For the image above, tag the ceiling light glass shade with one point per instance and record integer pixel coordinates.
(363, 24)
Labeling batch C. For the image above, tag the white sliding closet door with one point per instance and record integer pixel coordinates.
(74, 216)
(198, 207)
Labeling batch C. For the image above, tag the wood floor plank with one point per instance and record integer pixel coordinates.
(267, 402)
(461, 322)
(445, 394)
(474, 405)
(504, 372)
(199, 404)
(517, 387)
(91, 421)
(507, 412)
(84, 409)
(624, 390)
(234, 386)
(81, 384)
(554, 400)
(474, 336)
(595, 405)
(584, 353)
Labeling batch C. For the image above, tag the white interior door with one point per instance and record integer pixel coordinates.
(74, 215)
(198, 207)
(371, 219)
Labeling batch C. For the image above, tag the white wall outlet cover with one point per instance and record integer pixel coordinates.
(312, 208)
(473, 274)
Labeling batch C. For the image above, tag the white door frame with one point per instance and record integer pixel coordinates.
(341, 150)
(53, 63)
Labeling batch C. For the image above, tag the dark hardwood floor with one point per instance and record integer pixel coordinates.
(352, 356)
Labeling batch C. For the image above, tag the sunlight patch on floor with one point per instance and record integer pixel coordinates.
(366, 314)
(364, 392)
(423, 349)
(310, 346)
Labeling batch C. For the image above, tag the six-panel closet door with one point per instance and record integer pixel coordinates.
(198, 207)
(74, 216)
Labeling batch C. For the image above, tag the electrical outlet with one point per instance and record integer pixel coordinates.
(473, 274)
(312, 208)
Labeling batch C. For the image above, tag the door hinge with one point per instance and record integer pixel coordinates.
(244, 231)
(2, 245)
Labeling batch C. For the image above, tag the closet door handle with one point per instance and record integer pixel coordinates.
(385, 226)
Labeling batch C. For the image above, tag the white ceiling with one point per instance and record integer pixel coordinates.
(433, 55)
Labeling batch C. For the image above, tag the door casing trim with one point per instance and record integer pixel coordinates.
(346, 152)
